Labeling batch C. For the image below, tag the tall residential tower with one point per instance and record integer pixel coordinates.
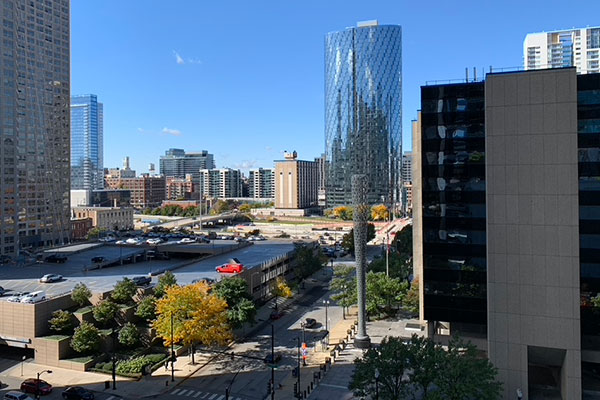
(87, 161)
(363, 111)
(579, 48)
(34, 124)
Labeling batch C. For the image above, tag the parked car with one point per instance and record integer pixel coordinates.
(209, 281)
(310, 323)
(56, 258)
(2, 291)
(133, 241)
(77, 393)
(187, 240)
(121, 242)
(276, 314)
(32, 385)
(203, 239)
(34, 297)
(154, 241)
(51, 278)
(272, 359)
(12, 395)
(4, 259)
(141, 280)
(16, 297)
(98, 259)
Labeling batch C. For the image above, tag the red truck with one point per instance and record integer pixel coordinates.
(234, 266)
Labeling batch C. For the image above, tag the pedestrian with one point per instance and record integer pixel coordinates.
(166, 365)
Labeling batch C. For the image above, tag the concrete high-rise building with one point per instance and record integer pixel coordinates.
(146, 190)
(34, 124)
(296, 183)
(407, 166)
(87, 132)
(506, 212)
(180, 188)
(178, 163)
(579, 48)
(221, 183)
(363, 111)
(261, 183)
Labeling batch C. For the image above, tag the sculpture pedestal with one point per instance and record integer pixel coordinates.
(362, 342)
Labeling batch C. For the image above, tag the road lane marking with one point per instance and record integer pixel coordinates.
(110, 398)
(206, 394)
(190, 393)
(198, 394)
(221, 397)
(176, 391)
(213, 396)
(334, 386)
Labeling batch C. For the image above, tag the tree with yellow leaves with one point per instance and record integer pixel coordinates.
(198, 316)
(281, 289)
(379, 212)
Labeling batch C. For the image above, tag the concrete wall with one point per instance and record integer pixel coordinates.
(417, 213)
(532, 225)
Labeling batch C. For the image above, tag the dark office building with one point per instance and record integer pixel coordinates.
(507, 240)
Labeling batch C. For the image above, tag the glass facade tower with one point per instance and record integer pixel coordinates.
(87, 165)
(34, 124)
(363, 111)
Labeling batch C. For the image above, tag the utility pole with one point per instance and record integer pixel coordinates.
(273, 360)
(114, 360)
(172, 352)
(298, 365)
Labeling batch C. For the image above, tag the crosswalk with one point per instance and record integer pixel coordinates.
(111, 398)
(197, 394)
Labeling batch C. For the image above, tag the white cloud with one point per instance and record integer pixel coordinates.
(246, 164)
(169, 131)
(178, 58)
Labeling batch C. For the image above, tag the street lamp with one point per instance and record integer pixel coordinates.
(298, 371)
(37, 383)
(326, 303)
(172, 352)
(114, 360)
(376, 384)
(343, 306)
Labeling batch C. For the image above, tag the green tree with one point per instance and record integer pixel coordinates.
(164, 281)
(94, 233)
(348, 238)
(105, 312)
(390, 362)
(399, 266)
(81, 294)
(411, 299)
(129, 335)
(477, 375)
(384, 294)
(308, 261)
(240, 306)
(124, 291)
(425, 358)
(146, 308)
(245, 208)
(61, 322)
(86, 339)
(220, 207)
(343, 286)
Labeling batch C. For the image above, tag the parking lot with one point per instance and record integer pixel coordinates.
(76, 268)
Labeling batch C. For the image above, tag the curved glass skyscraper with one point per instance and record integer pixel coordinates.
(363, 111)
(87, 132)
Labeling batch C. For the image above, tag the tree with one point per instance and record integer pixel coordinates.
(390, 362)
(398, 265)
(94, 233)
(348, 238)
(105, 312)
(199, 316)
(379, 213)
(220, 207)
(164, 281)
(61, 322)
(477, 376)
(308, 261)
(124, 291)
(86, 339)
(411, 299)
(81, 294)
(129, 335)
(146, 308)
(245, 208)
(343, 212)
(384, 294)
(343, 285)
(425, 358)
(241, 307)
(281, 288)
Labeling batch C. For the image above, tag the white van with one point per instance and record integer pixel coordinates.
(34, 297)
(16, 396)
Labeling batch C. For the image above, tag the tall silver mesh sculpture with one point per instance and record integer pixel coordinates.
(361, 216)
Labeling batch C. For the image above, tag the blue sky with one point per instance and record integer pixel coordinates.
(244, 79)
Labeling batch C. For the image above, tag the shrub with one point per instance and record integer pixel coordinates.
(86, 339)
(105, 311)
(129, 335)
(137, 364)
(61, 321)
(124, 291)
(164, 281)
(81, 294)
(146, 308)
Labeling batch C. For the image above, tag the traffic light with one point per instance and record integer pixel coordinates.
(269, 389)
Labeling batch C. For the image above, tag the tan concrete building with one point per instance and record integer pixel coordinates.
(179, 188)
(296, 182)
(110, 218)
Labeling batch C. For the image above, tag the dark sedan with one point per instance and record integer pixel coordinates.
(56, 258)
(77, 393)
